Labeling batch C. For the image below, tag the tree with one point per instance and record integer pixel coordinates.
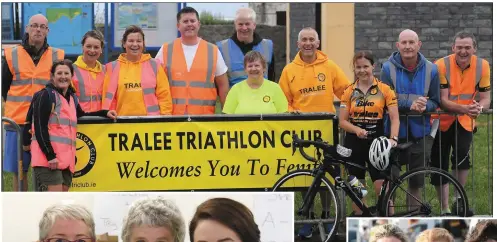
(207, 18)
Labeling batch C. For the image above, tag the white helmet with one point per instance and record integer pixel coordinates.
(379, 153)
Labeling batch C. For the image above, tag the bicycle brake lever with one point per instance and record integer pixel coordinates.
(318, 154)
(294, 148)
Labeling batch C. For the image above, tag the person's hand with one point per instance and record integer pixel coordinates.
(112, 114)
(26, 147)
(421, 101)
(415, 107)
(393, 142)
(361, 133)
(52, 164)
(474, 110)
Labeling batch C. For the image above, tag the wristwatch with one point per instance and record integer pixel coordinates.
(395, 138)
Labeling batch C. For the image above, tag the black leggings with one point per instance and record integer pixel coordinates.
(360, 156)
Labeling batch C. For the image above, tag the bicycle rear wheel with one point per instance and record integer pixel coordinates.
(430, 202)
(299, 182)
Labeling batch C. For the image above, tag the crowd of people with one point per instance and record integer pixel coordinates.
(484, 231)
(155, 219)
(45, 94)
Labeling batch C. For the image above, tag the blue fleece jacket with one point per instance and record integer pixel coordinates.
(412, 83)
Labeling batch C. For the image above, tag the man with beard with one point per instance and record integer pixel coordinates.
(195, 68)
(242, 41)
(25, 70)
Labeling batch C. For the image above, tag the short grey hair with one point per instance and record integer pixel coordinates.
(155, 212)
(65, 211)
(387, 230)
(308, 29)
(245, 12)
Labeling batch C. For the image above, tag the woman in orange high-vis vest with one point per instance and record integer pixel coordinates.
(52, 137)
(135, 84)
(89, 73)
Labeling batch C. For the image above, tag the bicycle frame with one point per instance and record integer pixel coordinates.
(328, 166)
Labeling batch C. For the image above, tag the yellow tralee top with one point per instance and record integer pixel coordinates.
(312, 87)
(129, 94)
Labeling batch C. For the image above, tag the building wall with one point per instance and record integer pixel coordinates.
(377, 26)
(301, 15)
(266, 12)
(337, 19)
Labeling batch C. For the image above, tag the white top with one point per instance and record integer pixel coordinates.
(190, 50)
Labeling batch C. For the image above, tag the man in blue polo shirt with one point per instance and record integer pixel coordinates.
(242, 41)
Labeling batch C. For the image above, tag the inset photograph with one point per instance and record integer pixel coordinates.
(422, 230)
(148, 217)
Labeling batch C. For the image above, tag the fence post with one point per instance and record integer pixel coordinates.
(19, 151)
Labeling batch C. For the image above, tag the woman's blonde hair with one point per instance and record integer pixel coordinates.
(435, 234)
(387, 230)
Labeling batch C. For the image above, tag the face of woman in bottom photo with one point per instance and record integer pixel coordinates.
(212, 231)
(151, 234)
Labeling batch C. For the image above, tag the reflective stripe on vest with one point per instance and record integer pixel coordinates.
(62, 137)
(232, 75)
(196, 83)
(27, 79)
(412, 97)
(83, 97)
(147, 85)
(479, 70)
(59, 139)
(22, 82)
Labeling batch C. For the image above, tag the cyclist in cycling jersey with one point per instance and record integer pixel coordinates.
(362, 108)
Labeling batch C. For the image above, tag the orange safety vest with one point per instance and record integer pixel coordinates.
(88, 89)
(148, 83)
(193, 92)
(27, 79)
(62, 131)
(462, 92)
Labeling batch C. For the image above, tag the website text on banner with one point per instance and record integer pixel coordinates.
(157, 154)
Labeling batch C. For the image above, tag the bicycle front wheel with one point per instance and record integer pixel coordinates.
(432, 199)
(325, 202)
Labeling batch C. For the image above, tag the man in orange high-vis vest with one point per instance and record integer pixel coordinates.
(25, 70)
(195, 68)
(462, 75)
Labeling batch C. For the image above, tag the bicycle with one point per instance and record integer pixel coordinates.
(333, 157)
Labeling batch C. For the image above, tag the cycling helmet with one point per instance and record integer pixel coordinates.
(379, 153)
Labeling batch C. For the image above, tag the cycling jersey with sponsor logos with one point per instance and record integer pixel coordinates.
(366, 110)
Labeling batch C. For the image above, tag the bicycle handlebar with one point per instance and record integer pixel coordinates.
(334, 151)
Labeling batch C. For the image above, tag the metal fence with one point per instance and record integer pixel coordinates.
(480, 173)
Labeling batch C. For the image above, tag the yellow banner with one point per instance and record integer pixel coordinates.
(208, 155)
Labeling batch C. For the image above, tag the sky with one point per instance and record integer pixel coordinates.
(227, 10)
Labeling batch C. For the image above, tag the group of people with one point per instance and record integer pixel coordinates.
(155, 219)
(189, 75)
(484, 231)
